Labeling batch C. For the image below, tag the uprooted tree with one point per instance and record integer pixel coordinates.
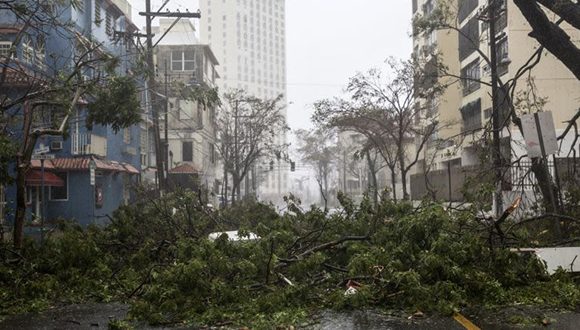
(249, 129)
(385, 110)
(40, 96)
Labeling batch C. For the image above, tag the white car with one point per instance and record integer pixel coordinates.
(233, 236)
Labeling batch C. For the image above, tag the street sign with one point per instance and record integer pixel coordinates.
(539, 134)
(92, 167)
(42, 156)
(92, 176)
(42, 149)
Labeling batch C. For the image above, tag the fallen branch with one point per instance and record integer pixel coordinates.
(321, 247)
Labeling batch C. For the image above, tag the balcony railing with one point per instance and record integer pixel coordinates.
(88, 144)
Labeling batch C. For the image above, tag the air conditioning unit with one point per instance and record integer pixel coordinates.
(55, 145)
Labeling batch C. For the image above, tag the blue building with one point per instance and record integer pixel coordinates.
(29, 54)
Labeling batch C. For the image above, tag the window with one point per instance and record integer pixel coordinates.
(182, 60)
(108, 23)
(127, 135)
(471, 115)
(468, 38)
(60, 193)
(187, 151)
(40, 50)
(470, 77)
(98, 13)
(212, 153)
(5, 47)
(502, 55)
(465, 8)
(27, 50)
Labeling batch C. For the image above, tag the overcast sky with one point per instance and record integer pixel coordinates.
(329, 41)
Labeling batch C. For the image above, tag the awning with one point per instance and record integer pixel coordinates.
(82, 164)
(34, 179)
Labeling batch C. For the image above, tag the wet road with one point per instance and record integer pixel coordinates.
(97, 316)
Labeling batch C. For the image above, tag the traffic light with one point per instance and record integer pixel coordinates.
(292, 166)
(271, 165)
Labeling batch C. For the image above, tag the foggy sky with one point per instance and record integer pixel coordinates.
(328, 41)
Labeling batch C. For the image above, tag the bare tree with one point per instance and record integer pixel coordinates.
(385, 110)
(319, 149)
(248, 130)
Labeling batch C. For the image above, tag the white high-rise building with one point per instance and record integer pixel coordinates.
(248, 38)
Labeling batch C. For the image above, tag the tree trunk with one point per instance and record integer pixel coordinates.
(20, 203)
(394, 183)
(550, 35)
(404, 171)
(22, 166)
(373, 179)
(548, 190)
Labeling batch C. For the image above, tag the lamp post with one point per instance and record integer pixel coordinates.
(42, 213)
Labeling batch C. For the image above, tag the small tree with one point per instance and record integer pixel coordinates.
(319, 149)
(248, 130)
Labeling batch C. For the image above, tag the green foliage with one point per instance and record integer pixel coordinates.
(8, 150)
(115, 103)
(156, 255)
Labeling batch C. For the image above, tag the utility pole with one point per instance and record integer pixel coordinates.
(166, 153)
(235, 177)
(496, 111)
(160, 155)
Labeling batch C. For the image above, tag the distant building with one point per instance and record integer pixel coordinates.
(191, 127)
(466, 107)
(248, 39)
(46, 52)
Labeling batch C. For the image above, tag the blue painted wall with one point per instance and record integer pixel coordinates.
(60, 51)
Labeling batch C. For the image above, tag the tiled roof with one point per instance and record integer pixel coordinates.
(184, 169)
(82, 164)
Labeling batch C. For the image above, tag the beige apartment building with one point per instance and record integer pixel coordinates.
(466, 106)
(248, 39)
(182, 61)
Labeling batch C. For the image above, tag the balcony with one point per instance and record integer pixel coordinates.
(88, 144)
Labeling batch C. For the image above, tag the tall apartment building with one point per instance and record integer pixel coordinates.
(466, 106)
(248, 39)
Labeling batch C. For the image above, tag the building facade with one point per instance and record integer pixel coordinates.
(115, 156)
(191, 127)
(467, 105)
(248, 39)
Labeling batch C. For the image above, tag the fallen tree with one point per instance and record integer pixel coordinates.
(156, 255)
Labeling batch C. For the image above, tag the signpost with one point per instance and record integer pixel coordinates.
(92, 168)
(539, 134)
(40, 154)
